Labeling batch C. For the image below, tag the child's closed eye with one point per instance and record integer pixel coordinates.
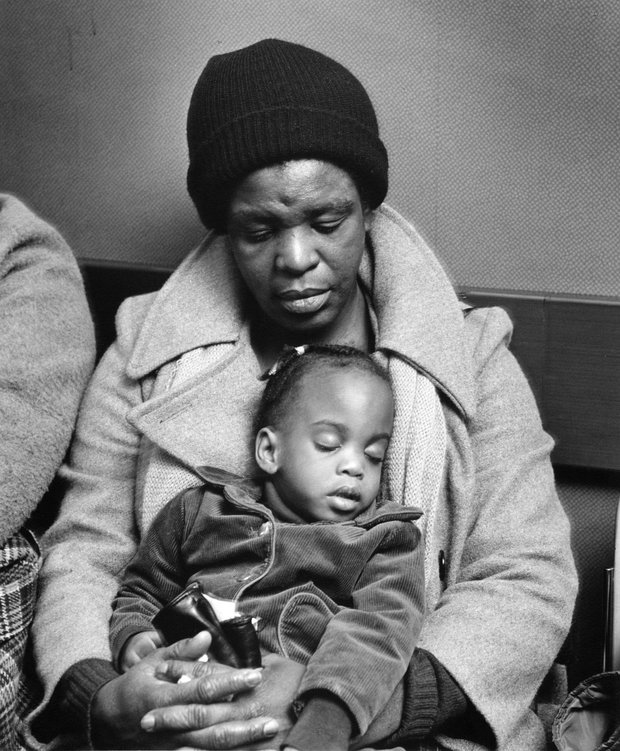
(326, 447)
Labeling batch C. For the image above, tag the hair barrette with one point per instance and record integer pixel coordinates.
(284, 356)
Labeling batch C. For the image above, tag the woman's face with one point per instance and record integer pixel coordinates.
(297, 232)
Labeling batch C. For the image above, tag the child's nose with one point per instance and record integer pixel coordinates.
(352, 464)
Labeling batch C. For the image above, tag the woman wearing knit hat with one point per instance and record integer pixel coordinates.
(288, 171)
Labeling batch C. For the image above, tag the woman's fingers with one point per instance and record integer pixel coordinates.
(233, 734)
(227, 732)
(201, 716)
(219, 686)
(172, 670)
(198, 713)
(205, 681)
(204, 699)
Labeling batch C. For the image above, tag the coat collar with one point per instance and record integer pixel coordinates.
(200, 304)
(420, 318)
(419, 315)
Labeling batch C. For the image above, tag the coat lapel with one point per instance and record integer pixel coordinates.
(200, 306)
(202, 303)
(419, 315)
(182, 421)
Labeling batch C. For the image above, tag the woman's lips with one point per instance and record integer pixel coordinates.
(308, 301)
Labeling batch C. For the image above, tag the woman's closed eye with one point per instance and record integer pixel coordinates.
(258, 235)
(326, 228)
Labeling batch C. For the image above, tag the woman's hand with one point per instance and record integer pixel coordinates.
(146, 707)
(270, 698)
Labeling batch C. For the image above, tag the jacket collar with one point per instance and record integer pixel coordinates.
(247, 493)
(420, 318)
(243, 488)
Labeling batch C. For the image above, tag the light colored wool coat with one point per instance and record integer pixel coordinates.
(502, 611)
(47, 351)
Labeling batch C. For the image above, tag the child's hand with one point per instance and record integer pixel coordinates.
(137, 647)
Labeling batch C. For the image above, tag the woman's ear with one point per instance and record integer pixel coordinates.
(266, 450)
(368, 217)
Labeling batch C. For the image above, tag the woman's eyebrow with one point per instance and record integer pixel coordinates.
(343, 206)
(247, 216)
(339, 207)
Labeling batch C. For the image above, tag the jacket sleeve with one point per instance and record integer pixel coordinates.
(47, 351)
(508, 603)
(154, 576)
(372, 642)
(95, 535)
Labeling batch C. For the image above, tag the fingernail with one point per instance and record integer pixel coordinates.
(253, 677)
(147, 722)
(271, 727)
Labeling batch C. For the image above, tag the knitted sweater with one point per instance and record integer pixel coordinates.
(47, 352)
(498, 609)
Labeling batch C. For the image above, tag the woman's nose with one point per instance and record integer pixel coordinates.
(296, 253)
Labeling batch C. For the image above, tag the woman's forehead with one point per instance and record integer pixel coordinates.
(308, 185)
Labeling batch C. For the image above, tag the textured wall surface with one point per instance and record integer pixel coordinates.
(501, 119)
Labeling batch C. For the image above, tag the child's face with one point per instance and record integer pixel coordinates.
(330, 447)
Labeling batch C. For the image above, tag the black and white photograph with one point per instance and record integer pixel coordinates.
(310, 375)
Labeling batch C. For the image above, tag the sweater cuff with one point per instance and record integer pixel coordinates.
(432, 699)
(452, 703)
(75, 692)
(324, 723)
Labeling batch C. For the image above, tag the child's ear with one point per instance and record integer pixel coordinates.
(266, 450)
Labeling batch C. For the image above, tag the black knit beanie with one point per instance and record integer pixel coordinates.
(271, 102)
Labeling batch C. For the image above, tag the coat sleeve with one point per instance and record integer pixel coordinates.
(155, 575)
(95, 535)
(366, 648)
(47, 351)
(509, 598)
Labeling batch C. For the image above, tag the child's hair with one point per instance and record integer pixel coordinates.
(285, 376)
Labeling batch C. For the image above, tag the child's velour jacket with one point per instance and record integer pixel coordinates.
(179, 389)
(345, 598)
